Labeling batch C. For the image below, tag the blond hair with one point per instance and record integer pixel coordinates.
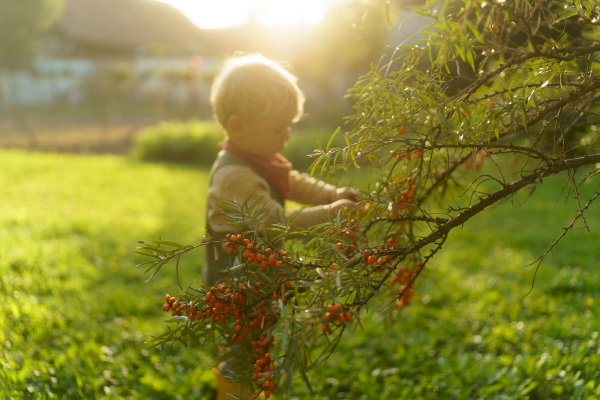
(252, 86)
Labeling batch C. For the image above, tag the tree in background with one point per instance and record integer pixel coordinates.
(499, 96)
(360, 27)
(20, 23)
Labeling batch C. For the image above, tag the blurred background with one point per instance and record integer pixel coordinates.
(85, 85)
(89, 75)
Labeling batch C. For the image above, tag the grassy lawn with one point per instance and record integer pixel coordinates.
(76, 310)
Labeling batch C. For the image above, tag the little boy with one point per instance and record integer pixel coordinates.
(256, 100)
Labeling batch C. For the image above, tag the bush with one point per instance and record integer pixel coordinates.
(193, 142)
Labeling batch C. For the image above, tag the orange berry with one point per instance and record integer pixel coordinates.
(167, 297)
(324, 328)
(335, 308)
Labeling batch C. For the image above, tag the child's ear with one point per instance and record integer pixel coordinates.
(235, 126)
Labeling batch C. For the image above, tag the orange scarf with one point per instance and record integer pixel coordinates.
(276, 170)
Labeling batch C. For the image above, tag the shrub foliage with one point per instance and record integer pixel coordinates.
(512, 87)
(177, 142)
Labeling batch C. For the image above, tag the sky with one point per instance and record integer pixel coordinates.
(220, 14)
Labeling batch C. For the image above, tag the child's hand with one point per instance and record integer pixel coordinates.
(347, 193)
(341, 204)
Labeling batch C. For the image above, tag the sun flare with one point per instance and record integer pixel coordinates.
(229, 13)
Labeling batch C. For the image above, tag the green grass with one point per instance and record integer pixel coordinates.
(76, 309)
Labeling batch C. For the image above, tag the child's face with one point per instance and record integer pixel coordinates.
(265, 137)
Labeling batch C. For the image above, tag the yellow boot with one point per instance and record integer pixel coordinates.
(226, 389)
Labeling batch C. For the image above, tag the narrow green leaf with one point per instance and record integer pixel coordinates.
(168, 243)
(332, 137)
(354, 158)
(443, 119)
(181, 318)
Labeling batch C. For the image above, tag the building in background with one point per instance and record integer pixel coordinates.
(140, 45)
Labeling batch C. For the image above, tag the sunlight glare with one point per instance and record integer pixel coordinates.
(229, 13)
(287, 13)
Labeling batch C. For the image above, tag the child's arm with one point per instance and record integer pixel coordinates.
(327, 198)
(234, 182)
(311, 191)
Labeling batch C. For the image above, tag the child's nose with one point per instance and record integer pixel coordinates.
(287, 135)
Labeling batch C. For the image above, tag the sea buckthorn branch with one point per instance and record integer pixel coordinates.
(434, 136)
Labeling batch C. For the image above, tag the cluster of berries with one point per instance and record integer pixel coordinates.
(381, 261)
(245, 310)
(406, 154)
(404, 199)
(263, 376)
(266, 258)
(405, 278)
(222, 304)
(173, 305)
(347, 239)
(335, 314)
(231, 243)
